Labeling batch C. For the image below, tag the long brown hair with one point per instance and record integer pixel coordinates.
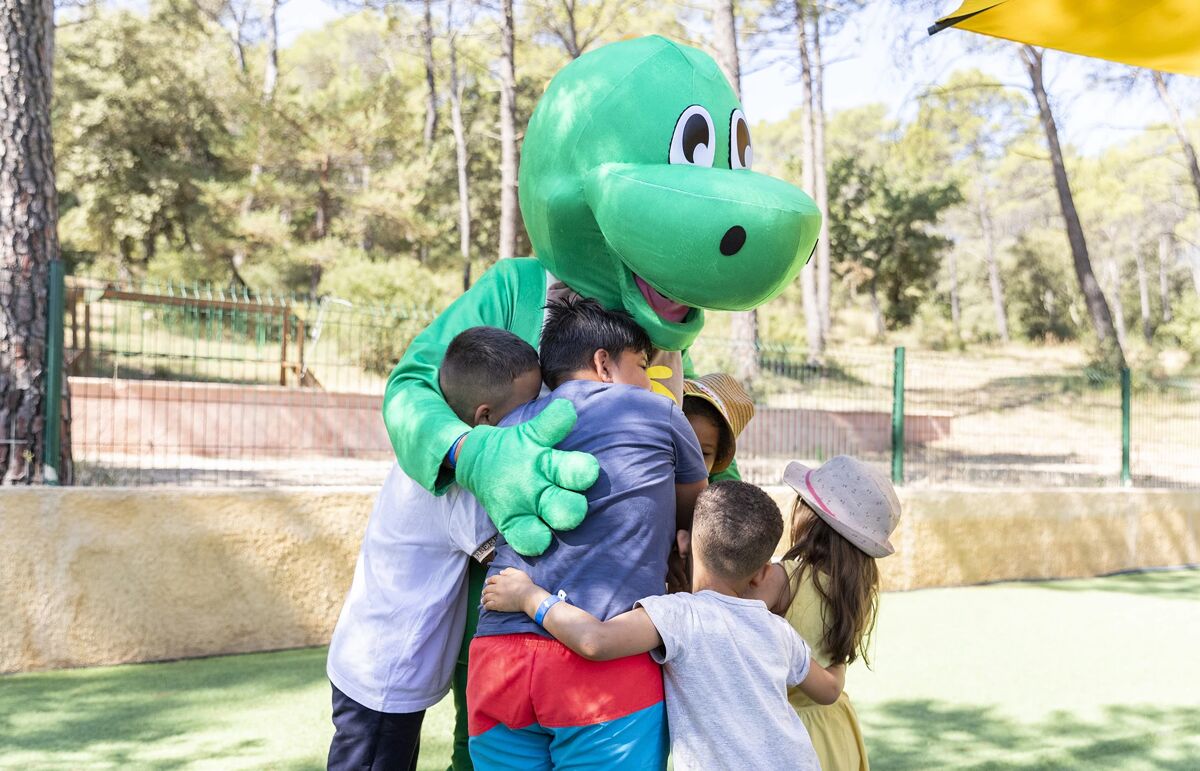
(846, 578)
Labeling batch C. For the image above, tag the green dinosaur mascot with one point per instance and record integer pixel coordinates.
(636, 190)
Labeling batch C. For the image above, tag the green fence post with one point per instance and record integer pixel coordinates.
(898, 417)
(1126, 404)
(54, 364)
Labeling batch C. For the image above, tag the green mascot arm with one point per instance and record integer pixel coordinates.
(513, 472)
(527, 487)
(420, 424)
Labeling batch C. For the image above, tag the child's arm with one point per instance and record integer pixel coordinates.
(773, 588)
(625, 635)
(822, 685)
(679, 563)
(685, 502)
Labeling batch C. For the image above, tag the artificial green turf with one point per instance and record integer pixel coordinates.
(1101, 673)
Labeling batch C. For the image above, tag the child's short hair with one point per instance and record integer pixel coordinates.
(479, 367)
(576, 328)
(739, 526)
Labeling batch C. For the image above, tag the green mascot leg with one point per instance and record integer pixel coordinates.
(461, 759)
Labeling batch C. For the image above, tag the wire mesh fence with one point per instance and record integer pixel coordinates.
(195, 385)
(1036, 423)
(176, 384)
(1165, 429)
(173, 332)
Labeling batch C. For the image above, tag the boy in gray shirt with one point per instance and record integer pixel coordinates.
(716, 646)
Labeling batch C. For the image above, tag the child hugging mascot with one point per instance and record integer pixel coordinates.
(636, 191)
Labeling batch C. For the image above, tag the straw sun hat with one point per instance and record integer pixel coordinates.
(853, 498)
(732, 403)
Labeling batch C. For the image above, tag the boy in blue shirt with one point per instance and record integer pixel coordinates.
(532, 702)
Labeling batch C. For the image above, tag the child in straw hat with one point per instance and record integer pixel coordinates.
(718, 409)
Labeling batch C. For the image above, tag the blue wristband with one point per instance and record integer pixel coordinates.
(547, 604)
(452, 456)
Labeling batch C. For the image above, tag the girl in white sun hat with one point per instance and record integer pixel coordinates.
(827, 585)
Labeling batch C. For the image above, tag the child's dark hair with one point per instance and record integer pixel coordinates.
(845, 577)
(576, 328)
(480, 366)
(740, 526)
(695, 405)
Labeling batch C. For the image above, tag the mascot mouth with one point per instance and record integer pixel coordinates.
(667, 309)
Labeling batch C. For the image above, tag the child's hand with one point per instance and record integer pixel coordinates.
(512, 591)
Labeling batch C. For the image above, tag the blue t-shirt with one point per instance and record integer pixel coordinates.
(618, 555)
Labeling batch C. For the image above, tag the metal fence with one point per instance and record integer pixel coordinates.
(196, 333)
(195, 385)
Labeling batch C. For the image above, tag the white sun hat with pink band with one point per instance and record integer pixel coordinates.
(853, 498)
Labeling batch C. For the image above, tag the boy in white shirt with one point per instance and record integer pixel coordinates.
(398, 635)
(717, 645)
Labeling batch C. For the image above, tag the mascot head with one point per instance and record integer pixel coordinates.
(636, 190)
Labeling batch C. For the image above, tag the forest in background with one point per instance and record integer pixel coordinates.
(372, 159)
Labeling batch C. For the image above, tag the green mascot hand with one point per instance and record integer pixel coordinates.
(527, 486)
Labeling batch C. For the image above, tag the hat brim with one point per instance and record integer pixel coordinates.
(797, 477)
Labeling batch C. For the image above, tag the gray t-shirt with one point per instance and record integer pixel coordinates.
(644, 446)
(727, 665)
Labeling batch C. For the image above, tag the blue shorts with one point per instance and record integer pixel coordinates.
(535, 704)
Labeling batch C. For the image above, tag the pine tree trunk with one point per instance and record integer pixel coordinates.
(955, 316)
(461, 158)
(876, 310)
(270, 81)
(321, 225)
(1189, 150)
(271, 71)
(430, 82)
(1164, 283)
(808, 275)
(1118, 305)
(993, 266)
(28, 236)
(1144, 295)
(744, 328)
(821, 186)
(366, 241)
(570, 35)
(1195, 261)
(726, 44)
(1097, 306)
(745, 323)
(508, 137)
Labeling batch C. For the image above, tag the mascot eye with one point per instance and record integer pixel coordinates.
(741, 154)
(694, 140)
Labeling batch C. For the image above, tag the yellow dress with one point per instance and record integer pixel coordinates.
(834, 729)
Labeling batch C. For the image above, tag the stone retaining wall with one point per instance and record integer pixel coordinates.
(109, 575)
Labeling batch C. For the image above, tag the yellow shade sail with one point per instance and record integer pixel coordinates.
(1158, 34)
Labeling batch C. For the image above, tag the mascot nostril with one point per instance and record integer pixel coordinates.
(733, 240)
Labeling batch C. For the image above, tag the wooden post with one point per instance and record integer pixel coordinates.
(283, 334)
(87, 337)
(300, 347)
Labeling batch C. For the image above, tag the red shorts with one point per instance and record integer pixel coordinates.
(520, 680)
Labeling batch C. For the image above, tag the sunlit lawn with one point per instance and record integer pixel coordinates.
(1077, 674)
